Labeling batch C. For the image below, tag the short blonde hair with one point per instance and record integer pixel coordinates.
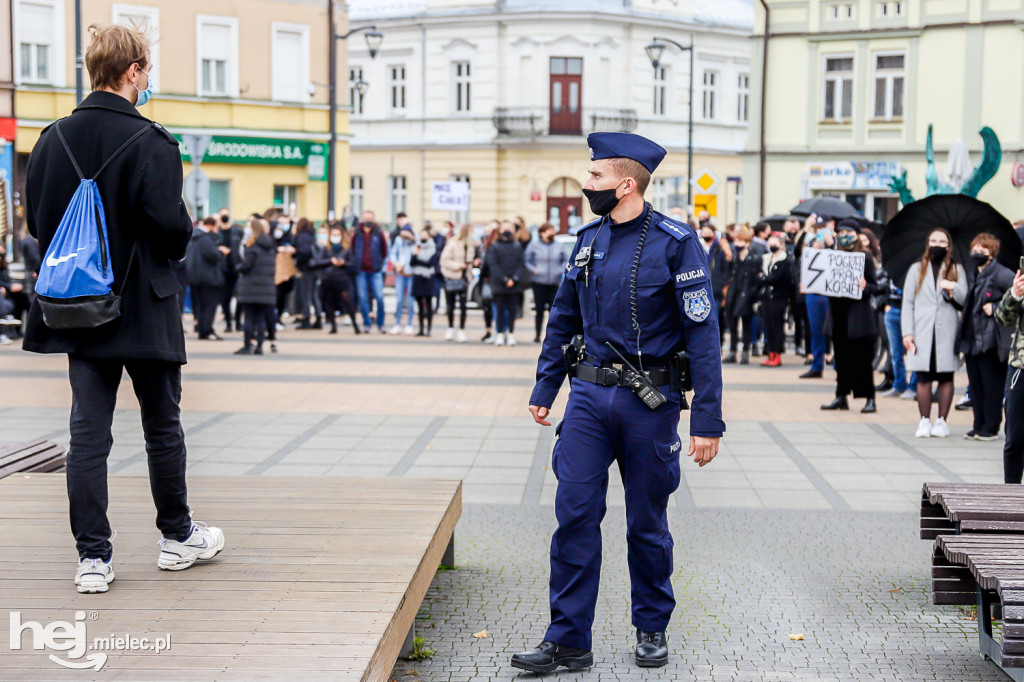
(113, 49)
(629, 168)
(744, 233)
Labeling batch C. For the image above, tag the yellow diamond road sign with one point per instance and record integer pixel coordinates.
(707, 180)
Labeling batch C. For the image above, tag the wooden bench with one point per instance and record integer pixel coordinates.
(40, 456)
(965, 508)
(996, 564)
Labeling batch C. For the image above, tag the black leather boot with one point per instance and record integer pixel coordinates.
(549, 656)
(869, 407)
(838, 404)
(651, 649)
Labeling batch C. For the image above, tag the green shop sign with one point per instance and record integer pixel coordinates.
(265, 151)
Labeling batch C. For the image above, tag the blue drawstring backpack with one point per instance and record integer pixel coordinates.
(74, 288)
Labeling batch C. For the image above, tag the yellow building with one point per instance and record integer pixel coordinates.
(252, 74)
(501, 94)
(853, 85)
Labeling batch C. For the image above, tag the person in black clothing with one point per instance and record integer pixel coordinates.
(206, 257)
(985, 344)
(503, 264)
(719, 257)
(284, 238)
(308, 261)
(141, 192)
(798, 307)
(337, 278)
(743, 287)
(256, 291)
(422, 268)
(853, 329)
(231, 237)
(778, 292)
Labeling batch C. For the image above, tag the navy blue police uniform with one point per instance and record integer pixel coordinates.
(609, 423)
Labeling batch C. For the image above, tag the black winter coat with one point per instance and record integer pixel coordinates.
(231, 237)
(504, 261)
(858, 314)
(206, 264)
(979, 332)
(743, 284)
(141, 192)
(778, 283)
(256, 280)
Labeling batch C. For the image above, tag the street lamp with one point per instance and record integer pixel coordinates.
(374, 38)
(361, 87)
(654, 52)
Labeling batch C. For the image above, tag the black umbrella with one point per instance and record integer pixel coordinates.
(964, 217)
(776, 221)
(830, 206)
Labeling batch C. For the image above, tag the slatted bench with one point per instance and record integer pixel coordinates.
(40, 456)
(996, 564)
(965, 508)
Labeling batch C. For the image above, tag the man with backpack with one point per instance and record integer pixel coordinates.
(125, 171)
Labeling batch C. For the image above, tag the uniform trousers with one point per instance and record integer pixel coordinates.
(1013, 448)
(605, 425)
(94, 384)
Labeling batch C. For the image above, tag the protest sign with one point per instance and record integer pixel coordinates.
(832, 273)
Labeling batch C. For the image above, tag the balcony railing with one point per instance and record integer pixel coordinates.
(535, 121)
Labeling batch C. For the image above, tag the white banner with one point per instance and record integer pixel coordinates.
(449, 196)
(832, 273)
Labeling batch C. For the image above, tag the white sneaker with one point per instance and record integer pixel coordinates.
(94, 576)
(499, 339)
(908, 395)
(940, 429)
(891, 393)
(461, 337)
(205, 542)
(924, 429)
(449, 334)
(510, 339)
(397, 329)
(409, 330)
(5, 340)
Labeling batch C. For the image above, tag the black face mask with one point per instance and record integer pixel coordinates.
(937, 253)
(980, 259)
(708, 240)
(773, 249)
(602, 201)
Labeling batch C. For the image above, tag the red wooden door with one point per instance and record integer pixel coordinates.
(565, 213)
(566, 116)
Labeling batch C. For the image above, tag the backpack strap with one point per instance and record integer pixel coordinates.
(74, 162)
(81, 175)
(127, 271)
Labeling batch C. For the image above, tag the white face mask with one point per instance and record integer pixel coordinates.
(322, 238)
(278, 233)
(246, 234)
(336, 239)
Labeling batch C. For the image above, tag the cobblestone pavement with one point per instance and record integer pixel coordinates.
(806, 523)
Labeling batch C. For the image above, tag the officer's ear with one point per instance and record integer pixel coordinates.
(630, 186)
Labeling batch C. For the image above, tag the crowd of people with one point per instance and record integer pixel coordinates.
(277, 264)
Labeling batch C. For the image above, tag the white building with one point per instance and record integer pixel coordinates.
(502, 93)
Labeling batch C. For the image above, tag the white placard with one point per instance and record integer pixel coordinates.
(832, 273)
(449, 196)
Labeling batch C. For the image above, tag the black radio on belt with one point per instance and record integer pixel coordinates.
(637, 382)
(573, 353)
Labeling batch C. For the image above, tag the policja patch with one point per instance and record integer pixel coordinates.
(697, 305)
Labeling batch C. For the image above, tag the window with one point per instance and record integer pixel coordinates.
(889, 10)
(888, 91)
(397, 88)
(147, 20)
(840, 12)
(355, 99)
(743, 98)
(285, 196)
(397, 196)
(355, 195)
(659, 194)
(710, 92)
(220, 195)
(660, 89)
(838, 89)
(460, 76)
(217, 60)
(289, 60)
(459, 217)
(39, 46)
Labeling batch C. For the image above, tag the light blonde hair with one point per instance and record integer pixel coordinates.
(112, 50)
(259, 227)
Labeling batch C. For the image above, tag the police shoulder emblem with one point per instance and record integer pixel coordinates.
(697, 305)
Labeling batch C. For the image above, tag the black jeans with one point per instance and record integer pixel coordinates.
(453, 299)
(505, 304)
(1013, 449)
(987, 376)
(228, 293)
(257, 317)
(775, 324)
(94, 386)
(734, 337)
(543, 298)
(204, 305)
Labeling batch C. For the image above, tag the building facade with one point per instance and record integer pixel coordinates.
(500, 95)
(252, 74)
(852, 87)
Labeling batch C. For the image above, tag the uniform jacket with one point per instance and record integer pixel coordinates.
(141, 192)
(927, 315)
(675, 310)
(206, 263)
(1010, 313)
(545, 261)
(980, 332)
(256, 281)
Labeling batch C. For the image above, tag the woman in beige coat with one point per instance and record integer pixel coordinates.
(933, 293)
(456, 268)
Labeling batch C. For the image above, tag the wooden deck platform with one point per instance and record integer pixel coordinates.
(321, 578)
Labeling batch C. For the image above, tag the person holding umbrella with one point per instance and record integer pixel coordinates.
(933, 292)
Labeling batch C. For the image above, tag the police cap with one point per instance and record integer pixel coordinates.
(625, 146)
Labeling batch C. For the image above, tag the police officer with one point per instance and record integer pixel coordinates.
(637, 289)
